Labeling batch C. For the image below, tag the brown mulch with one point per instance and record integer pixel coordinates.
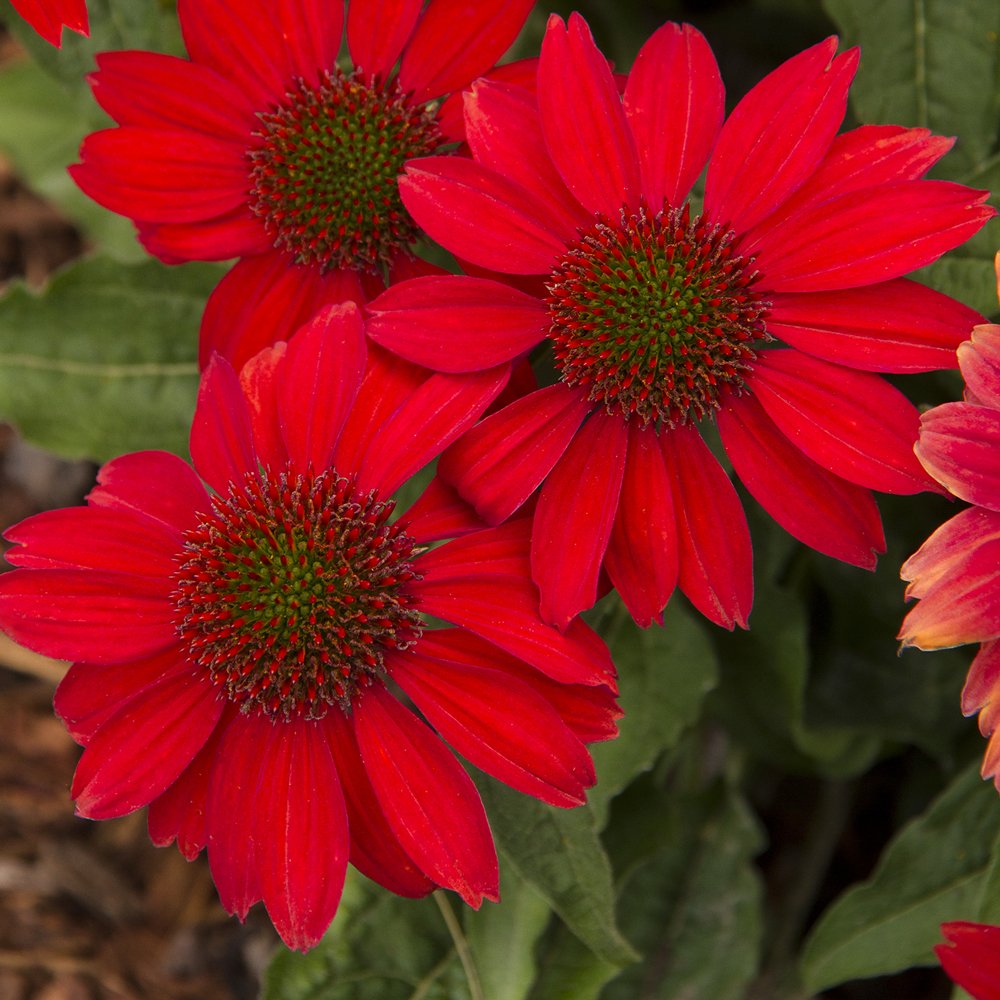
(88, 911)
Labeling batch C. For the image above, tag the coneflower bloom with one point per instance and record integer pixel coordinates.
(971, 957)
(49, 17)
(262, 146)
(956, 572)
(250, 639)
(661, 313)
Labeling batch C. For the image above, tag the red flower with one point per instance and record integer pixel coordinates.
(971, 957)
(48, 17)
(235, 643)
(956, 572)
(658, 312)
(261, 147)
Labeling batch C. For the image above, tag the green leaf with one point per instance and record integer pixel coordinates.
(664, 675)
(932, 871)
(105, 361)
(696, 898)
(936, 64)
(559, 853)
(570, 970)
(502, 938)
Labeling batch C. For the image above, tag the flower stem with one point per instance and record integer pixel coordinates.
(461, 945)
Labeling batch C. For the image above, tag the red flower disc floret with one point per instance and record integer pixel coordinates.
(661, 312)
(251, 637)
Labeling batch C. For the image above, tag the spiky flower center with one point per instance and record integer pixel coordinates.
(291, 591)
(652, 316)
(323, 176)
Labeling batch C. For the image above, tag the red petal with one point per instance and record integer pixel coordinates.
(141, 750)
(829, 514)
(575, 514)
(979, 359)
(939, 556)
(456, 41)
(375, 851)
(971, 957)
(585, 127)
(85, 615)
(90, 693)
(481, 216)
(435, 415)
(675, 104)
(303, 840)
(894, 326)
(499, 725)
(311, 31)
(427, 320)
(501, 461)
(162, 175)
(716, 557)
(112, 541)
(221, 434)
(48, 17)
(852, 423)
(505, 612)
(234, 791)
(642, 556)
(429, 801)
(151, 90)
(180, 812)
(870, 235)
(377, 30)
(259, 385)
(504, 132)
(318, 384)
(232, 234)
(959, 444)
(491, 553)
(265, 299)
(777, 135)
(156, 485)
(441, 513)
(589, 710)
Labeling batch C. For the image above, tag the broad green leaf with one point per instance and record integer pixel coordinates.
(502, 938)
(41, 128)
(936, 64)
(105, 360)
(379, 947)
(558, 852)
(569, 970)
(696, 898)
(664, 675)
(932, 871)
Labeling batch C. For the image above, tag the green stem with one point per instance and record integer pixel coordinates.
(461, 945)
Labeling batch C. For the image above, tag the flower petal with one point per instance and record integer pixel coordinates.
(480, 215)
(675, 102)
(575, 514)
(318, 383)
(377, 30)
(501, 461)
(585, 127)
(303, 839)
(265, 299)
(441, 513)
(979, 359)
(716, 557)
(428, 800)
(947, 546)
(777, 135)
(427, 321)
(893, 326)
(959, 444)
(86, 615)
(141, 749)
(499, 725)
(435, 415)
(828, 513)
(455, 41)
(642, 559)
(491, 554)
(852, 423)
(222, 434)
(222, 237)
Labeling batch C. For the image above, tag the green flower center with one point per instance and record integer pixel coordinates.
(653, 316)
(292, 590)
(323, 177)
